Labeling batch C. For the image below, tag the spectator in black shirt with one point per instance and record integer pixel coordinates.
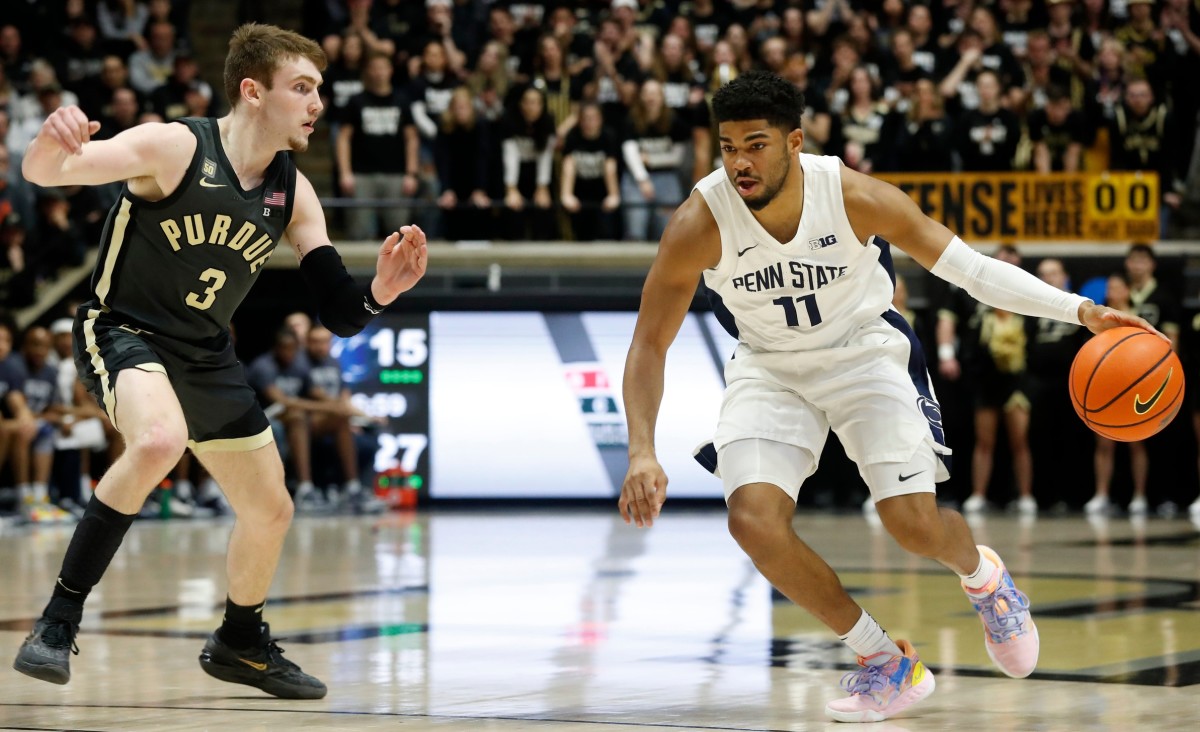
(1140, 137)
(683, 91)
(653, 148)
(590, 192)
(123, 112)
(1042, 73)
(866, 124)
(562, 92)
(925, 138)
(429, 94)
(1058, 135)
(96, 96)
(997, 55)
(377, 152)
(1073, 46)
(1151, 53)
(903, 71)
(988, 136)
(709, 21)
(614, 77)
(170, 101)
(528, 152)
(461, 153)
(920, 25)
(81, 58)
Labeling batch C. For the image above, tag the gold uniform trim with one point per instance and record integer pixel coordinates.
(120, 223)
(235, 444)
(102, 375)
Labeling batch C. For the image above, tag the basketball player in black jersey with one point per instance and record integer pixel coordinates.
(205, 203)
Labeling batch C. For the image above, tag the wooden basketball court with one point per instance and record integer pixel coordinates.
(569, 620)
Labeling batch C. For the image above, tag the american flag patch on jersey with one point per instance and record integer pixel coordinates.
(275, 198)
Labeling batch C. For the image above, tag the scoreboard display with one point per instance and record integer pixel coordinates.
(526, 404)
(386, 369)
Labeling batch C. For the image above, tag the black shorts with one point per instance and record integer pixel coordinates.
(219, 407)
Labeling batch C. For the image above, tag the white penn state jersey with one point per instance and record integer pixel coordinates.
(812, 292)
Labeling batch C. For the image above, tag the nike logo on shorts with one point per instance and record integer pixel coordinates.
(906, 477)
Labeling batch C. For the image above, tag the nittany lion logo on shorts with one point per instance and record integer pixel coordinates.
(933, 413)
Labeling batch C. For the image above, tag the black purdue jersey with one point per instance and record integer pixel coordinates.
(180, 267)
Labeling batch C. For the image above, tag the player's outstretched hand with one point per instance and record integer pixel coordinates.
(1099, 318)
(643, 493)
(401, 264)
(69, 128)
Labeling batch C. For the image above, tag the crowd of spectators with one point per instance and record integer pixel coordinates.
(123, 62)
(491, 98)
(550, 120)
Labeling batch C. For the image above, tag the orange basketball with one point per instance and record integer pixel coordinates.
(1126, 384)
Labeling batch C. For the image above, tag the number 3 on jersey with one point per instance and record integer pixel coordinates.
(217, 278)
(793, 316)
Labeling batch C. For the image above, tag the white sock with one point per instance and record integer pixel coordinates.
(866, 639)
(25, 493)
(41, 494)
(980, 578)
(353, 487)
(183, 489)
(304, 488)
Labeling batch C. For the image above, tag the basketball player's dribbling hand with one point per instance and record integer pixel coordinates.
(1099, 318)
(401, 264)
(643, 493)
(69, 128)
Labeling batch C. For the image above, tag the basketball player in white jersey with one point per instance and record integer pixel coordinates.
(794, 250)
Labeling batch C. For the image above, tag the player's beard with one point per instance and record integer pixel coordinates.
(298, 143)
(772, 188)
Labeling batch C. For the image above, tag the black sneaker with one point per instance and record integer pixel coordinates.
(46, 653)
(262, 666)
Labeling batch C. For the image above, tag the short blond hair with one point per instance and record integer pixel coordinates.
(257, 51)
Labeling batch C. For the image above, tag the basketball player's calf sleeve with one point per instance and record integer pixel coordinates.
(1004, 286)
(95, 541)
(345, 307)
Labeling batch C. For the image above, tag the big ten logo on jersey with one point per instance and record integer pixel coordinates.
(589, 383)
(822, 242)
(199, 230)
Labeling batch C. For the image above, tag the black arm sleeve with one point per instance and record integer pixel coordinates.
(344, 306)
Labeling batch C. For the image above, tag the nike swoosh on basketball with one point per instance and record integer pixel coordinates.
(906, 477)
(253, 665)
(1141, 407)
(205, 184)
(747, 249)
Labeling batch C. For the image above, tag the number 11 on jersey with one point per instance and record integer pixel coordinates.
(791, 314)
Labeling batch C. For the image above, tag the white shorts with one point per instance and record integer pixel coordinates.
(873, 391)
(787, 466)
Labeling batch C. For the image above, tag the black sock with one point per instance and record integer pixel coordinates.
(242, 626)
(92, 547)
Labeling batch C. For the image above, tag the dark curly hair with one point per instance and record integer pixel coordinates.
(760, 95)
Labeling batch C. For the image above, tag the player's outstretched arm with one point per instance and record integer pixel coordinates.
(881, 209)
(690, 244)
(64, 154)
(345, 306)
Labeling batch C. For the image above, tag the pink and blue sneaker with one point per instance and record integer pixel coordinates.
(882, 690)
(1009, 633)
